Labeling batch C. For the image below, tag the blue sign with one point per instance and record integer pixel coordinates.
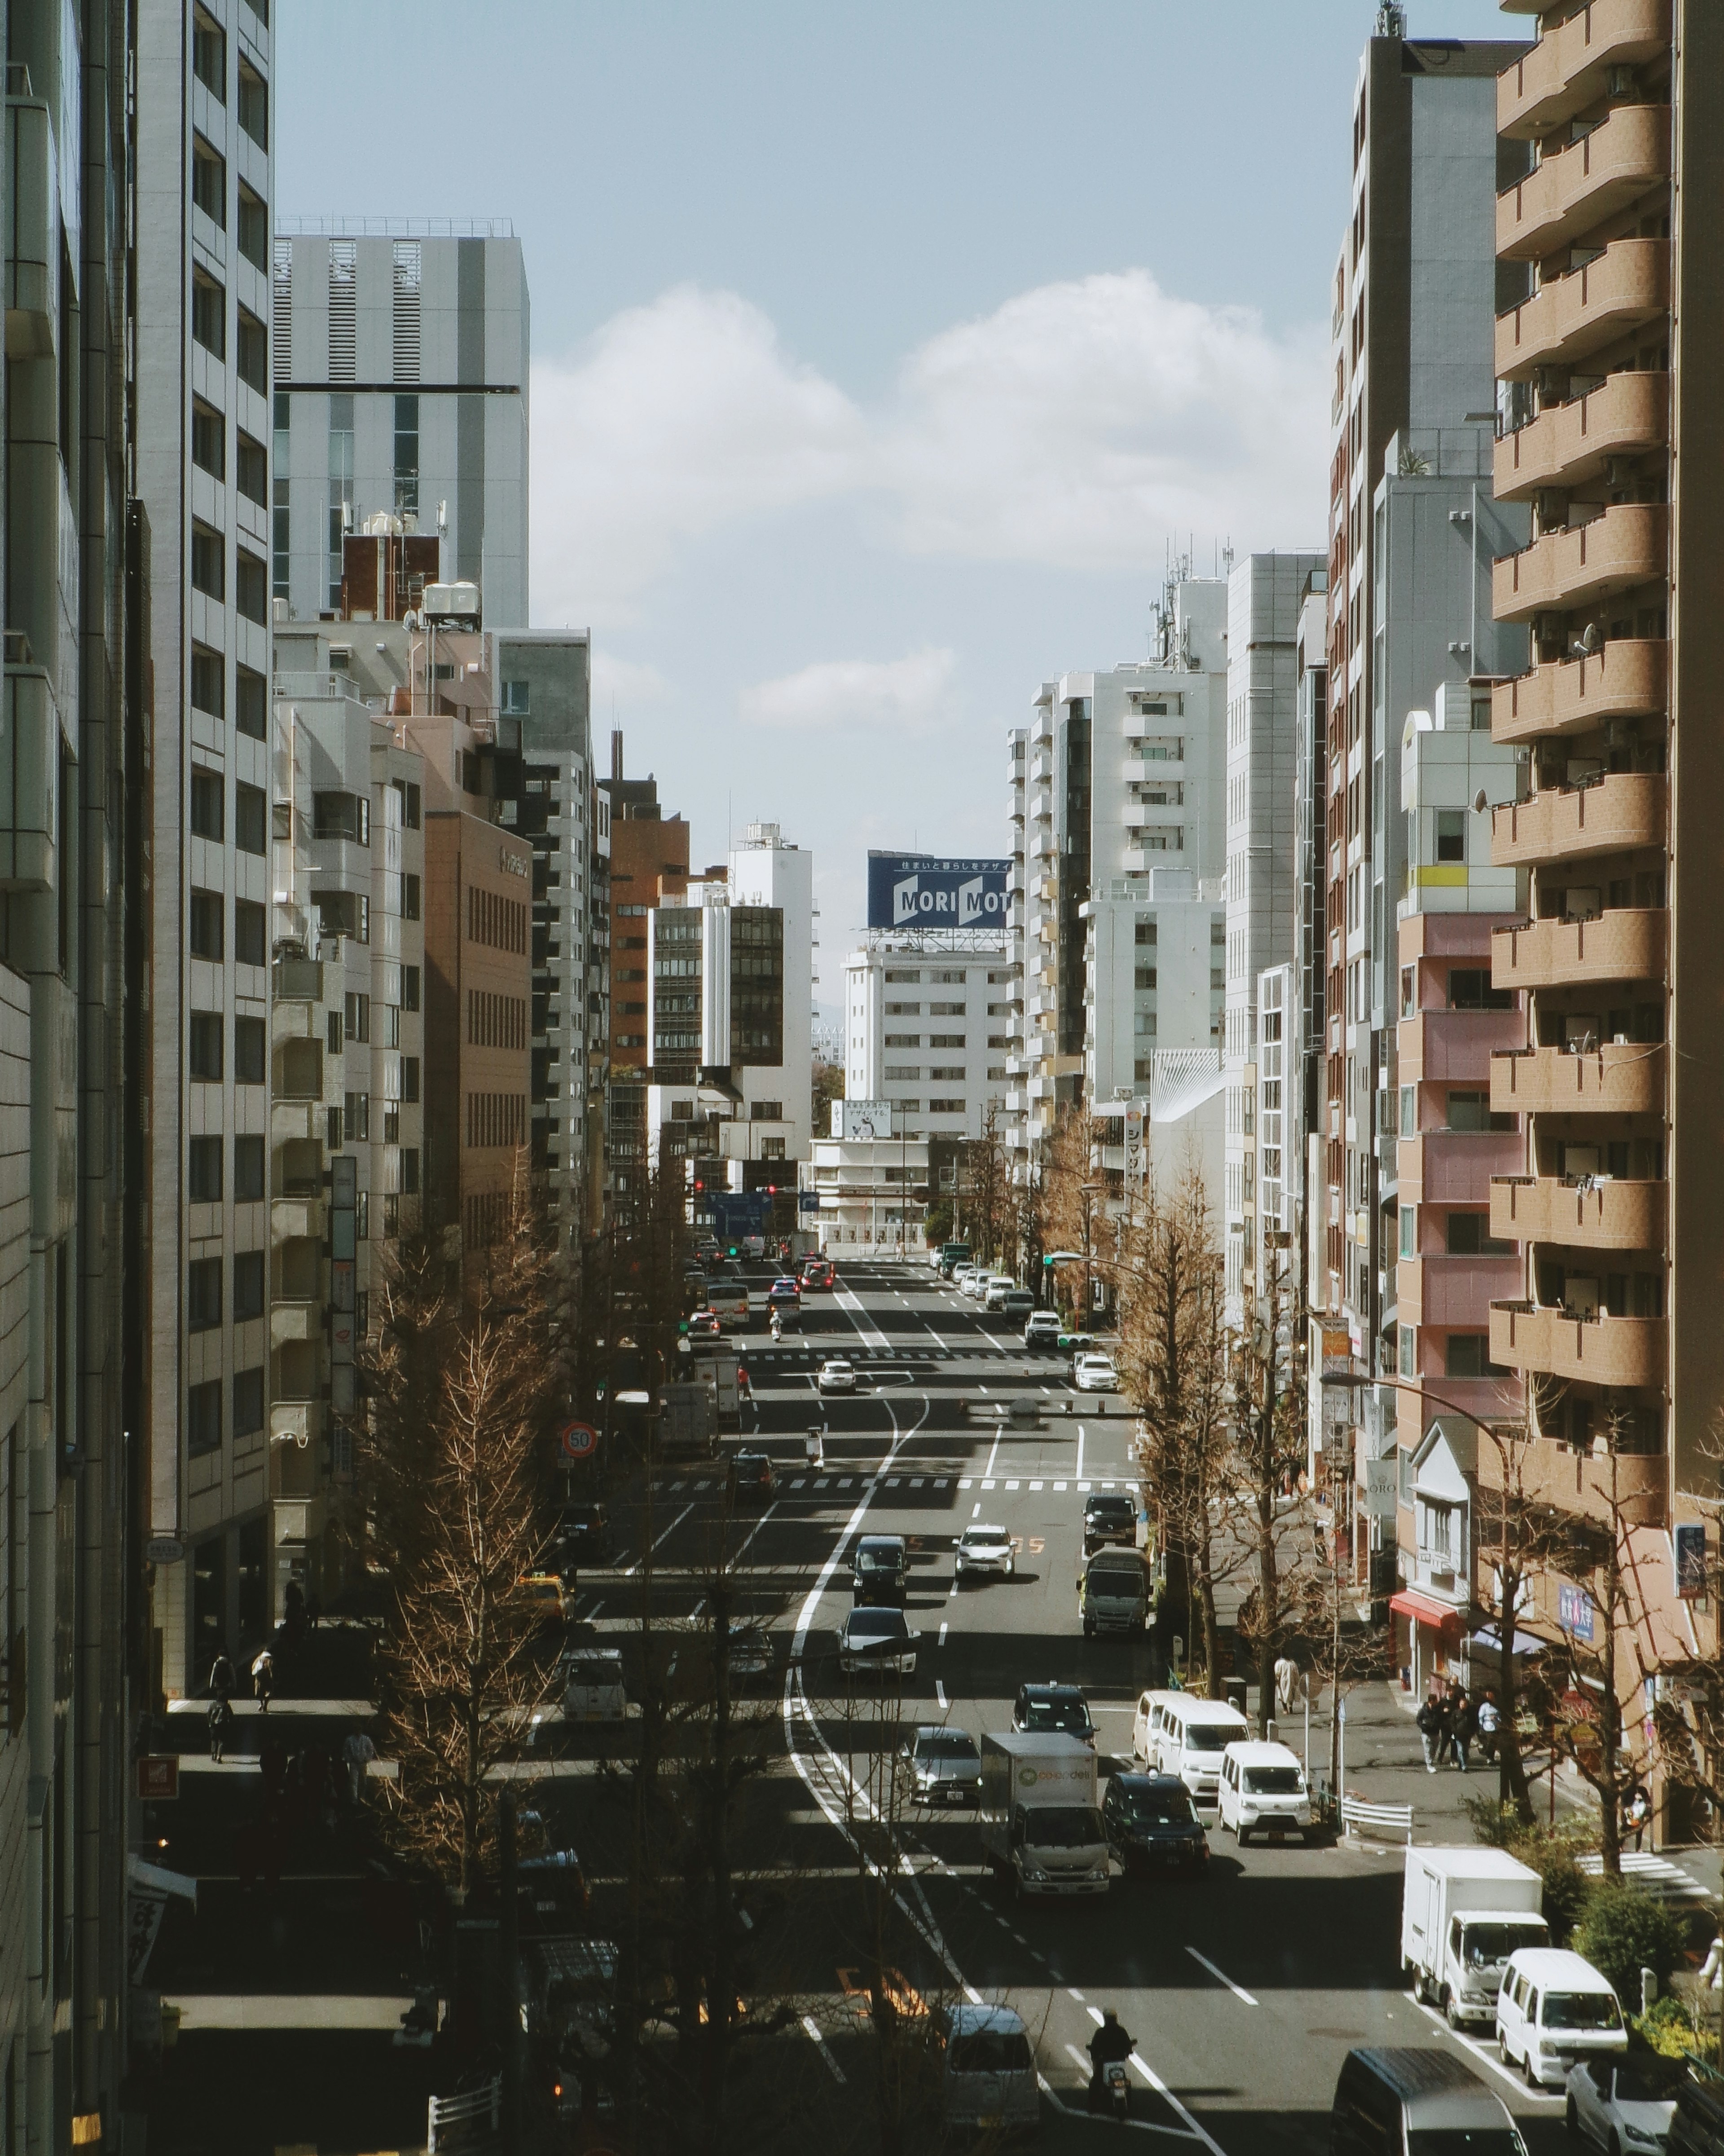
(925, 890)
(1574, 1612)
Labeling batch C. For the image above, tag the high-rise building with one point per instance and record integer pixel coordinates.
(1611, 399)
(203, 127)
(649, 866)
(401, 357)
(1303, 1181)
(927, 1028)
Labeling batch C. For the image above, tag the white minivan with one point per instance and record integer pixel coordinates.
(1555, 2011)
(1262, 1790)
(1186, 1736)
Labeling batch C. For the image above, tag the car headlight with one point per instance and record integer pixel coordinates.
(1639, 2134)
(1033, 1872)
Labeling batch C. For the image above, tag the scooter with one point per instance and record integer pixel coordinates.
(1118, 2087)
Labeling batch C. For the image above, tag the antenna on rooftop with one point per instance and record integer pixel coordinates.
(1391, 19)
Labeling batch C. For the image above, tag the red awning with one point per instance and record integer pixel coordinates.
(1426, 1609)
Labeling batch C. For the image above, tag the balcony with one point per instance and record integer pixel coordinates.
(296, 1219)
(1626, 944)
(1628, 545)
(1568, 444)
(1435, 1289)
(1572, 194)
(1456, 1044)
(1568, 317)
(1620, 1079)
(1456, 1167)
(1611, 815)
(1594, 1216)
(295, 1320)
(1548, 1473)
(1598, 1351)
(1628, 680)
(1568, 69)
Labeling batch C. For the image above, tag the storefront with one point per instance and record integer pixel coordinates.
(1428, 1643)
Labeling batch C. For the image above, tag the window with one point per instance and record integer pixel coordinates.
(209, 56)
(771, 1148)
(410, 987)
(410, 899)
(206, 938)
(253, 462)
(945, 1010)
(1409, 975)
(407, 476)
(766, 1111)
(203, 1417)
(250, 932)
(249, 1051)
(254, 353)
(409, 1079)
(203, 1294)
(204, 1171)
(1451, 834)
(1409, 1231)
(1468, 1355)
(251, 703)
(209, 181)
(209, 440)
(1409, 1351)
(248, 1286)
(251, 578)
(254, 227)
(517, 695)
(208, 563)
(248, 1402)
(1468, 1235)
(342, 816)
(248, 1170)
(209, 314)
(209, 676)
(1470, 989)
(1409, 1112)
(944, 1107)
(357, 1117)
(357, 1016)
(254, 105)
(250, 818)
(1471, 1110)
(204, 1046)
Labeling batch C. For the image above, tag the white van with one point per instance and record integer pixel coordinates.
(1262, 1791)
(1147, 1722)
(1555, 2011)
(593, 1685)
(1190, 1735)
(987, 2070)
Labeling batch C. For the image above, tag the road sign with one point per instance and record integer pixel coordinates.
(158, 1776)
(164, 1549)
(579, 1441)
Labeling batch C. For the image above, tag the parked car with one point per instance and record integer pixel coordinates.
(750, 1650)
(836, 1376)
(995, 1289)
(1042, 1707)
(1391, 2100)
(877, 1642)
(1094, 1374)
(1041, 1329)
(1619, 2104)
(960, 1273)
(976, 1282)
(1152, 1827)
(1110, 1515)
(982, 1552)
(880, 1571)
(1262, 1791)
(1554, 2011)
(942, 1766)
(1014, 1305)
(752, 1474)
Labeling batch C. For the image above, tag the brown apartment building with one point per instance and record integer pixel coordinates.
(1613, 400)
(649, 864)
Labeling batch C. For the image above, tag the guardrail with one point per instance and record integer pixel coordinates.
(1380, 1821)
(466, 2122)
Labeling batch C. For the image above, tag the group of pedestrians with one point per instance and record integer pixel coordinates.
(1451, 1721)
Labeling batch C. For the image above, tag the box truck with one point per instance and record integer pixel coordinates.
(1041, 1826)
(688, 1422)
(1463, 1912)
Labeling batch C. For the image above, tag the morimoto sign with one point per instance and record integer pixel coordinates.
(920, 890)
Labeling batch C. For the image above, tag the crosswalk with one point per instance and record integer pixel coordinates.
(1114, 1481)
(1657, 1874)
(982, 1351)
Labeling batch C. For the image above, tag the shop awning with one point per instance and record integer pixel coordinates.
(1425, 1610)
(1526, 1643)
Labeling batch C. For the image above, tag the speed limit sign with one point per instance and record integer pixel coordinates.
(579, 1441)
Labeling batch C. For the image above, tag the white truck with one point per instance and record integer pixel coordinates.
(1040, 1822)
(1463, 1912)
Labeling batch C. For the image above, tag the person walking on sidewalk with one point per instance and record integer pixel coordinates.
(221, 1715)
(1466, 1725)
(263, 1678)
(1428, 1722)
(223, 1683)
(1490, 1720)
(1637, 1817)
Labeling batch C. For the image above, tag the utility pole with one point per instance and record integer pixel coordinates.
(721, 1990)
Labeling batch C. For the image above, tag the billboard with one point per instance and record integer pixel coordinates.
(925, 890)
(854, 1121)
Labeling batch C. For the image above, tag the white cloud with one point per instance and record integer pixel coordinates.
(854, 693)
(630, 682)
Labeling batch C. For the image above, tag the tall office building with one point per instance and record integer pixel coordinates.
(1415, 294)
(75, 1667)
(204, 120)
(401, 357)
(1612, 405)
(926, 1021)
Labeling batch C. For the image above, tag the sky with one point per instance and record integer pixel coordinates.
(883, 353)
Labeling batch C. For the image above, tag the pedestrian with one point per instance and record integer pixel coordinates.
(1466, 1726)
(221, 1715)
(314, 1611)
(1445, 1726)
(1489, 1721)
(1286, 1678)
(263, 1678)
(1639, 1816)
(222, 1681)
(293, 1605)
(1428, 1722)
(358, 1750)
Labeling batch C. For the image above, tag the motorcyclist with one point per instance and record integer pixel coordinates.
(1109, 2042)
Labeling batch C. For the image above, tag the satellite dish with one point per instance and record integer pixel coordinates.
(1480, 803)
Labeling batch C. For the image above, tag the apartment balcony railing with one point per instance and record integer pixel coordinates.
(1593, 1215)
(1569, 68)
(295, 1320)
(1609, 815)
(298, 980)
(1600, 1351)
(1455, 1167)
(1628, 680)
(1566, 196)
(1634, 1484)
(1456, 1044)
(293, 1219)
(1628, 545)
(1436, 1289)
(1568, 317)
(1624, 944)
(1619, 1078)
(1569, 444)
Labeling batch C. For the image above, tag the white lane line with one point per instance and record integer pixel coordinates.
(819, 2044)
(1035, 1485)
(1487, 2057)
(1161, 2088)
(917, 1481)
(671, 1530)
(976, 1509)
(1059, 1486)
(1081, 1449)
(798, 1481)
(754, 1531)
(988, 1484)
(1072, 1993)
(596, 1608)
(1012, 1485)
(1095, 2015)
(940, 1695)
(993, 1456)
(967, 1483)
(943, 1630)
(1221, 1976)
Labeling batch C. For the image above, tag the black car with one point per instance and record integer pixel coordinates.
(752, 1476)
(880, 1571)
(586, 1536)
(1151, 1825)
(1110, 1516)
(1054, 1707)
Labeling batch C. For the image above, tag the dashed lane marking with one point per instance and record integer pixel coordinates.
(1221, 1976)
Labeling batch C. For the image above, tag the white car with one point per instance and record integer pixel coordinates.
(1262, 1791)
(1624, 2104)
(960, 1274)
(1094, 1374)
(999, 1286)
(836, 1376)
(875, 1639)
(981, 1551)
(976, 1282)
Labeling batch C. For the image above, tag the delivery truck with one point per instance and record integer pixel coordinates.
(1041, 1826)
(688, 1422)
(713, 1364)
(1463, 1912)
(1116, 1590)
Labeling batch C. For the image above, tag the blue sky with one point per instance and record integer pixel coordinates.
(880, 351)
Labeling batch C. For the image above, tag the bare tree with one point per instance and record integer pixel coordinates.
(1269, 1451)
(1516, 1542)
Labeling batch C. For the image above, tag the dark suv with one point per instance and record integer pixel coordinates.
(1110, 1516)
(1053, 1707)
(880, 1571)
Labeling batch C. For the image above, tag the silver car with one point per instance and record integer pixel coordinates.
(941, 1767)
(1621, 2104)
(875, 1641)
(982, 1550)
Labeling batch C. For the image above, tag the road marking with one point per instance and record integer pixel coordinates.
(965, 1482)
(917, 1481)
(941, 1481)
(798, 1481)
(942, 1635)
(940, 1694)
(1083, 1485)
(819, 2044)
(1489, 2057)
(754, 1531)
(671, 1530)
(1012, 1485)
(1072, 1992)
(1161, 2088)
(1035, 1485)
(988, 1484)
(976, 1509)
(1059, 1486)
(1095, 2015)
(939, 1343)
(1080, 1450)
(1220, 1976)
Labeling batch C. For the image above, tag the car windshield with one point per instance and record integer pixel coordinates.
(1274, 1781)
(1207, 1737)
(1646, 2080)
(1581, 2010)
(1488, 1946)
(991, 2051)
(946, 1746)
(875, 1556)
(1056, 1711)
(980, 1538)
(1063, 1826)
(876, 1624)
(750, 1463)
(1159, 1808)
(838, 1369)
(1111, 1508)
(1467, 2141)
(594, 1670)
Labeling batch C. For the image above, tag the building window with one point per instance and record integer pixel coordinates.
(206, 925)
(209, 315)
(938, 1108)
(407, 268)
(251, 577)
(250, 818)
(410, 987)
(248, 1170)
(250, 932)
(1409, 1112)
(204, 1046)
(248, 1402)
(204, 1171)
(1451, 834)
(209, 440)
(358, 1118)
(342, 816)
(251, 701)
(766, 1111)
(410, 1078)
(252, 473)
(209, 55)
(1409, 1358)
(209, 676)
(203, 1295)
(209, 181)
(203, 1416)
(407, 466)
(248, 1286)
(1470, 988)
(1468, 1355)
(254, 105)
(410, 900)
(1468, 1235)
(209, 554)
(249, 1051)
(1409, 1231)
(254, 357)
(254, 227)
